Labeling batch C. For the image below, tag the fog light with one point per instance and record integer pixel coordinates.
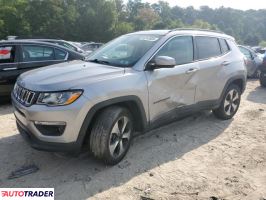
(50, 128)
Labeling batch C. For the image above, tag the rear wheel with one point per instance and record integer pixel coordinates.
(229, 104)
(111, 135)
(263, 79)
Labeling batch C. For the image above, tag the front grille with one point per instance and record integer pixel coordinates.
(23, 95)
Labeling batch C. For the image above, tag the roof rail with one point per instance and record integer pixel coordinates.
(196, 29)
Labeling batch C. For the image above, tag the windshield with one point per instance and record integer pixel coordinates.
(124, 51)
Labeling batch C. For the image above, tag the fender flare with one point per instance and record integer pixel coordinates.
(230, 81)
(109, 102)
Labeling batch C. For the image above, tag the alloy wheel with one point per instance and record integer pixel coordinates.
(120, 136)
(231, 102)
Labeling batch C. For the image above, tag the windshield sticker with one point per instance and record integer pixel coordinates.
(149, 38)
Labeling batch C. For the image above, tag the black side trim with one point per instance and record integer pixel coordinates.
(181, 112)
(99, 106)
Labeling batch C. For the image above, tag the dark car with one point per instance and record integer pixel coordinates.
(66, 44)
(19, 56)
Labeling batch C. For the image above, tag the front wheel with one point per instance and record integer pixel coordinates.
(111, 135)
(230, 103)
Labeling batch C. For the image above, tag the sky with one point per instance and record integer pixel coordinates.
(237, 4)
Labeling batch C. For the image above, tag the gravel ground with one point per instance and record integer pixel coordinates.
(199, 157)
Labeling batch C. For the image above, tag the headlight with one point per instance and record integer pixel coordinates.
(58, 98)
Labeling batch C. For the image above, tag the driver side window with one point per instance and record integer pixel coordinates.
(180, 48)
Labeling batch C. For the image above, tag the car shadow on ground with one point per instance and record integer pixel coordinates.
(84, 177)
(258, 95)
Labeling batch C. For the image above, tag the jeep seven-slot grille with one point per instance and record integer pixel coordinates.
(23, 95)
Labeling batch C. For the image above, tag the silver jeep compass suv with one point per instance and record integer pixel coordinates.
(136, 82)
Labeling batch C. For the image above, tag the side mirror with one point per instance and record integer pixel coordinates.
(161, 62)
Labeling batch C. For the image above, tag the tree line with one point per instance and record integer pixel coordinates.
(102, 20)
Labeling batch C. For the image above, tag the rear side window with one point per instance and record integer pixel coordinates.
(179, 48)
(207, 47)
(224, 46)
(7, 54)
(37, 53)
(60, 55)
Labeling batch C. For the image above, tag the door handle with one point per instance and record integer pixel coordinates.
(225, 63)
(192, 70)
(10, 69)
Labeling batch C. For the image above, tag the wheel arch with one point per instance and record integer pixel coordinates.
(239, 80)
(132, 103)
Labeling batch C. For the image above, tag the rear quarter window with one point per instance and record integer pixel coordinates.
(246, 52)
(207, 47)
(224, 46)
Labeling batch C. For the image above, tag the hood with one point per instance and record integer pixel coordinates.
(68, 75)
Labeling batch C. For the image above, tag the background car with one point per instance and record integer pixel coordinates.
(78, 44)
(259, 50)
(90, 47)
(66, 44)
(263, 72)
(253, 61)
(19, 56)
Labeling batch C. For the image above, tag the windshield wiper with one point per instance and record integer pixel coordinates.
(100, 61)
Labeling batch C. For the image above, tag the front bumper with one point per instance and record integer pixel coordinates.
(73, 115)
(45, 146)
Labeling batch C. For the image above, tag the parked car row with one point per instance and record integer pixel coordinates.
(19, 56)
(255, 58)
(261, 52)
(84, 48)
(253, 62)
(66, 44)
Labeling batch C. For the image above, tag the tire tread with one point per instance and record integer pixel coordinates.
(100, 133)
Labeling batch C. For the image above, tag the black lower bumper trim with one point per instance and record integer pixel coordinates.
(46, 146)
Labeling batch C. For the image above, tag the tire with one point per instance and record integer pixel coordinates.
(230, 103)
(263, 79)
(111, 135)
